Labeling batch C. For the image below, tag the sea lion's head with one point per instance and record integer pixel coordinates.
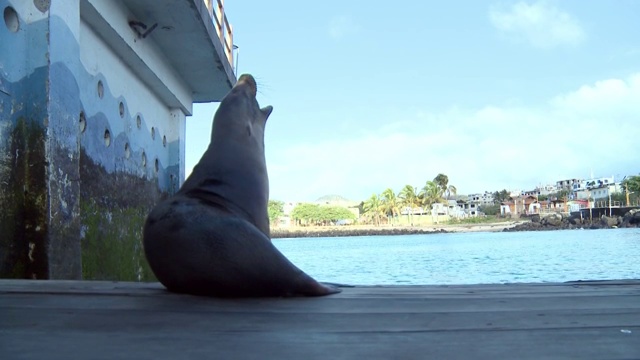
(239, 113)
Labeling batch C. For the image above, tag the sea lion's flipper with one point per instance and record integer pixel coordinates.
(337, 285)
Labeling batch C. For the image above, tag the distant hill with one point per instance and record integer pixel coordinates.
(332, 198)
(335, 200)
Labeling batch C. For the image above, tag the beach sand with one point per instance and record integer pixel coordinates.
(365, 230)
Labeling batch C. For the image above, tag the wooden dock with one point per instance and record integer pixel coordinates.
(116, 320)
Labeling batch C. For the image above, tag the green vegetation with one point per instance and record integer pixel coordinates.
(477, 220)
(388, 206)
(621, 198)
(501, 196)
(314, 214)
(391, 205)
(490, 210)
(442, 181)
(409, 199)
(275, 209)
(430, 194)
(631, 184)
(112, 245)
(373, 209)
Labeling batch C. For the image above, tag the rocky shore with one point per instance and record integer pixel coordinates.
(364, 230)
(558, 221)
(554, 221)
(349, 231)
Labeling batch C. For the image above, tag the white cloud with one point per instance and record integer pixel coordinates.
(594, 127)
(342, 26)
(608, 97)
(540, 24)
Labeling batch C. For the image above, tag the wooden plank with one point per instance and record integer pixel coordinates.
(49, 319)
(540, 289)
(80, 319)
(329, 306)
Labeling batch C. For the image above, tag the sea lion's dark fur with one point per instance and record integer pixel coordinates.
(212, 236)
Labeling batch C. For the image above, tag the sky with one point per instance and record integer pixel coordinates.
(370, 95)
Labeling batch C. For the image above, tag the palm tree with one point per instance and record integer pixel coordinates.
(430, 194)
(409, 198)
(390, 204)
(373, 208)
(500, 196)
(632, 183)
(451, 190)
(442, 181)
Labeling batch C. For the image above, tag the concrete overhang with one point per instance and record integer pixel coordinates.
(187, 37)
(186, 63)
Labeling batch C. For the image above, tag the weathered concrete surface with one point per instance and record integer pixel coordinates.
(24, 160)
(107, 320)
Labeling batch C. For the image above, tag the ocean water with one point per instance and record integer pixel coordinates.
(469, 258)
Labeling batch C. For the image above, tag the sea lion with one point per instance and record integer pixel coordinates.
(212, 237)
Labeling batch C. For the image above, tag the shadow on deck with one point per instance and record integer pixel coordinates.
(116, 320)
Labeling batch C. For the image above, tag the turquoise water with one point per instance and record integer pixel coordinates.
(469, 258)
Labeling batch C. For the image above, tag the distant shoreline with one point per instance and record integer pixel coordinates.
(386, 230)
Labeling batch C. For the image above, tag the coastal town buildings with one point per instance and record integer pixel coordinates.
(569, 195)
(580, 193)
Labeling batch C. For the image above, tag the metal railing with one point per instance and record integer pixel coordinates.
(223, 28)
(550, 210)
(613, 204)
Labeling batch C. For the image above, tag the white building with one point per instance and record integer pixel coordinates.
(485, 198)
(593, 183)
(598, 189)
(540, 190)
(469, 208)
(598, 193)
(566, 184)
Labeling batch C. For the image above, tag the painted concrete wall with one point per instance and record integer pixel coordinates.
(92, 130)
(23, 127)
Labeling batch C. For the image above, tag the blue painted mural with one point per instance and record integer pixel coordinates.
(79, 167)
